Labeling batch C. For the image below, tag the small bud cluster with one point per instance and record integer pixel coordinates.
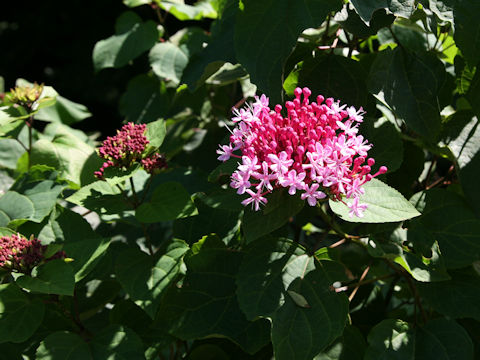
(315, 149)
(21, 255)
(127, 148)
(25, 95)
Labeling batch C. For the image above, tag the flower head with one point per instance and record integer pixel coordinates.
(21, 255)
(313, 147)
(128, 147)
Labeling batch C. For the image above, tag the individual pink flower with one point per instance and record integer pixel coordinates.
(255, 199)
(240, 181)
(356, 208)
(312, 194)
(293, 181)
(225, 152)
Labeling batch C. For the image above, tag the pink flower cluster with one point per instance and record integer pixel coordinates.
(20, 254)
(126, 148)
(314, 149)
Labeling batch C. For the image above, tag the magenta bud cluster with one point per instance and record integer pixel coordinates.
(315, 149)
(127, 148)
(21, 255)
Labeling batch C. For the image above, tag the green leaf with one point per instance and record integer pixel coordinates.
(350, 346)
(14, 206)
(117, 342)
(145, 100)
(300, 332)
(335, 76)
(272, 38)
(206, 304)
(135, 3)
(227, 74)
(54, 277)
(456, 298)
(144, 280)
(473, 94)
(193, 228)
(64, 111)
(443, 339)
(43, 194)
(387, 145)
(79, 241)
(391, 339)
(10, 152)
(20, 315)
(168, 61)
(63, 345)
(101, 197)
(169, 201)
(465, 146)
(155, 133)
(448, 219)
(365, 8)
(69, 155)
(280, 208)
(467, 30)
(268, 268)
(385, 204)
(410, 84)
(202, 9)
(351, 22)
(133, 37)
(218, 51)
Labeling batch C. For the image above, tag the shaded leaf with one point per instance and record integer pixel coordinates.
(117, 342)
(169, 201)
(63, 345)
(145, 280)
(54, 277)
(391, 339)
(20, 315)
(365, 8)
(272, 38)
(350, 346)
(64, 111)
(133, 37)
(168, 61)
(467, 29)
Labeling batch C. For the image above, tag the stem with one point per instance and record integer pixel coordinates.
(148, 241)
(147, 187)
(23, 145)
(365, 272)
(29, 150)
(135, 198)
(330, 222)
(394, 36)
(327, 29)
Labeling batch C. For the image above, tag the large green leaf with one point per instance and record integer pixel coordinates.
(54, 277)
(206, 305)
(169, 201)
(438, 339)
(218, 51)
(14, 206)
(366, 8)
(224, 223)
(280, 208)
(268, 268)
(301, 332)
(67, 153)
(10, 152)
(466, 148)
(64, 111)
(42, 193)
(272, 38)
(443, 339)
(387, 147)
(168, 61)
(448, 219)
(350, 346)
(391, 339)
(145, 280)
(20, 315)
(155, 133)
(145, 100)
(133, 37)
(467, 29)
(385, 204)
(335, 76)
(63, 345)
(458, 297)
(410, 84)
(117, 342)
(79, 240)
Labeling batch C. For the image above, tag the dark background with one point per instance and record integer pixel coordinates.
(52, 42)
